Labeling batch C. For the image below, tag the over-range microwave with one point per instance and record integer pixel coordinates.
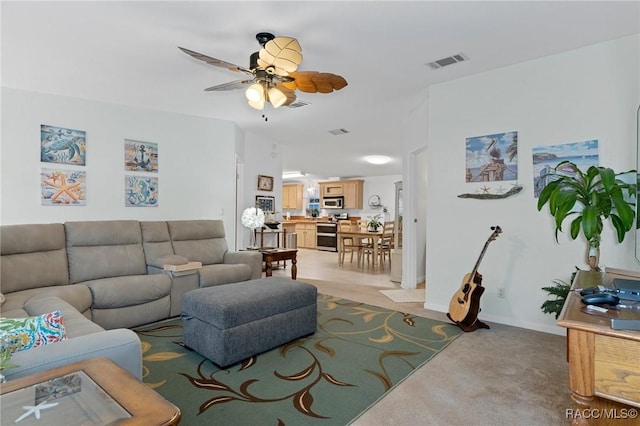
(333, 202)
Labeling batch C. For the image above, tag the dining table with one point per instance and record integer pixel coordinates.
(361, 235)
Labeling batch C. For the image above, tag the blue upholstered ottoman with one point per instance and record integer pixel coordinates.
(229, 323)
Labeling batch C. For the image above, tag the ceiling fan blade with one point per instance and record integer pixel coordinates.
(316, 82)
(232, 85)
(214, 61)
(283, 53)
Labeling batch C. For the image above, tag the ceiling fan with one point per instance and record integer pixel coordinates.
(273, 73)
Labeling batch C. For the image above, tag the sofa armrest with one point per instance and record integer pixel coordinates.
(122, 346)
(251, 258)
(169, 259)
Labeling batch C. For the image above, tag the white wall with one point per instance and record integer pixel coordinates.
(262, 157)
(589, 93)
(414, 142)
(384, 187)
(196, 161)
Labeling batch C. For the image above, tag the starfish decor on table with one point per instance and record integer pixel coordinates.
(35, 410)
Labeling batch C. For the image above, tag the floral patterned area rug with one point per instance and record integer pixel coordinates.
(358, 353)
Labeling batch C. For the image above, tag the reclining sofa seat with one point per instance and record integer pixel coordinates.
(34, 278)
(108, 257)
(34, 264)
(204, 241)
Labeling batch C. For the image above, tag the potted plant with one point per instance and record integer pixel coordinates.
(600, 194)
(559, 291)
(374, 223)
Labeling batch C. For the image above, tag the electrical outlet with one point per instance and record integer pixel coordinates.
(501, 292)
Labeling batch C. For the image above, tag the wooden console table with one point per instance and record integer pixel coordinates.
(604, 364)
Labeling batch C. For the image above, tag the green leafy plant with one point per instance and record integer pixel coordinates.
(374, 223)
(560, 291)
(601, 195)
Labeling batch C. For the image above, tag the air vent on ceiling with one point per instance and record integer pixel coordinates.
(450, 60)
(298, 104)
(337, 132)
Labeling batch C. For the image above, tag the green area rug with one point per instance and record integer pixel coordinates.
(358, 353)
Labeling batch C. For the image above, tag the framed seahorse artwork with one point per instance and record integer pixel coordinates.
(140, 191)
(61, 145)
(140, 156)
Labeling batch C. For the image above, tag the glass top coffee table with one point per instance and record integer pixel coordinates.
(91, 392)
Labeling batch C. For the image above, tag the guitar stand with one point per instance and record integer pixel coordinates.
(469, 328)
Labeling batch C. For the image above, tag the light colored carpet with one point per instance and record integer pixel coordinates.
(405, 295)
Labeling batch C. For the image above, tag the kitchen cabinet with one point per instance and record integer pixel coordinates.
(351, 190)
(292, 196)
(331, 189)
(306, 234)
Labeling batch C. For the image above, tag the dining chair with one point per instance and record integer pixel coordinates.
(386, 242)
(349, 245)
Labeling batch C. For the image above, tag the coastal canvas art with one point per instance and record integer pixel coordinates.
(140, 191)
(546, 157)
(492, 157)
(140, 156)
(63, 187)
(60, 145)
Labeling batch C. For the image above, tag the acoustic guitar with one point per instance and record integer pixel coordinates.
(465, 304)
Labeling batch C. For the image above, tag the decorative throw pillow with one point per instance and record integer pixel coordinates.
(30, 332)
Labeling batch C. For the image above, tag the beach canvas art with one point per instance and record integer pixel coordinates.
(63, 187)
(140, 156)
(140, 191)
(492, 158)
(546, 157)
(60, 145)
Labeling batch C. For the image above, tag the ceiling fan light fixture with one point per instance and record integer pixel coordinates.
(259, 105)
(277, 97)
(255, 93)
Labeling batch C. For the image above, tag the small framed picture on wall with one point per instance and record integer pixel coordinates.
(266, 204)
(265, 183)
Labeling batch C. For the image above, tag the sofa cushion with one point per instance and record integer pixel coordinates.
(199, 240)
(211, 275)
(75, 323)
(31, 332)
(77, 295)
(157, 243)
(33, 256)
(117, 292)
(101, 249)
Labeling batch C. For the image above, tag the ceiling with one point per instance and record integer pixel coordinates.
(127, 53)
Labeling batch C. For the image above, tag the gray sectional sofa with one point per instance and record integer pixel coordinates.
(106, 277)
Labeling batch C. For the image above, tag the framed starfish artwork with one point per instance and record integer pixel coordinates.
(60, 145)
(63, 187)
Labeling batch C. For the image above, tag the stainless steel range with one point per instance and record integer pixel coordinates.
(327, 236)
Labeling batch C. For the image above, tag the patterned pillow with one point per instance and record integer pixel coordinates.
(27, 333)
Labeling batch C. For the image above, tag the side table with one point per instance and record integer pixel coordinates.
(91, 392)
